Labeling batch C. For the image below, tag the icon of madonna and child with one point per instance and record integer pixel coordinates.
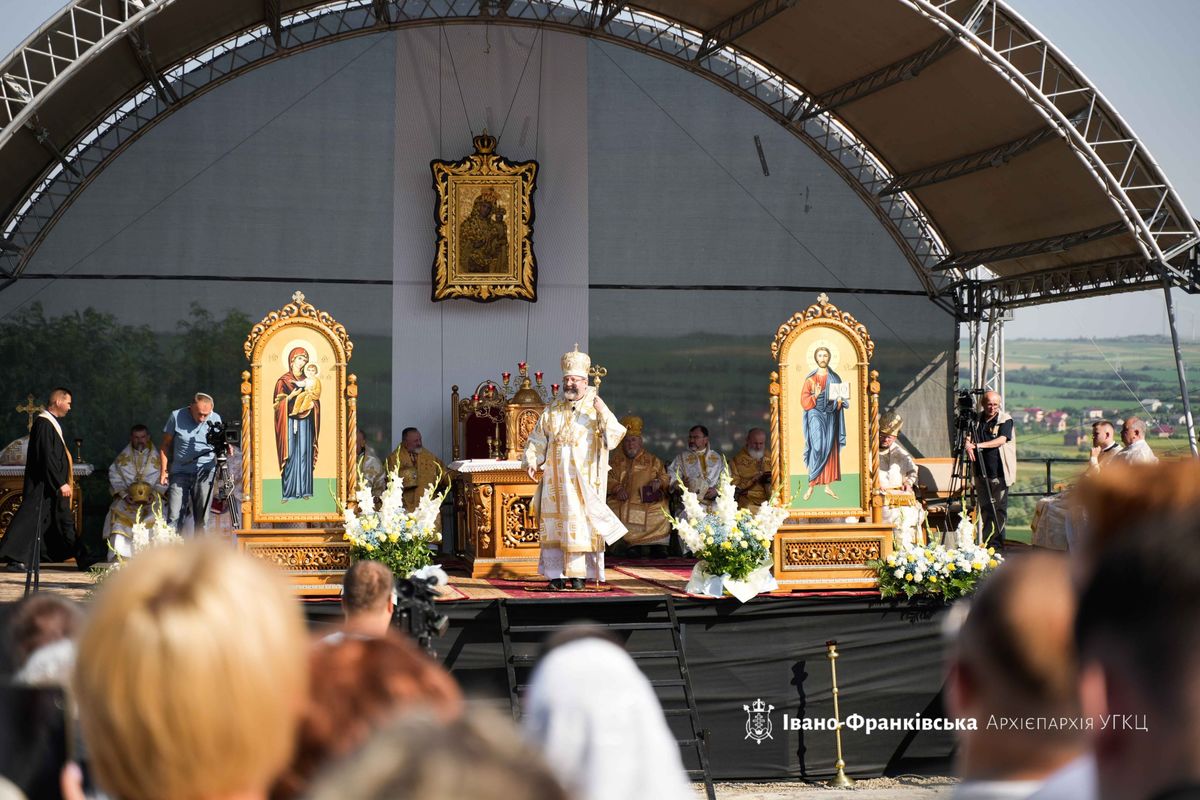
(298, 424)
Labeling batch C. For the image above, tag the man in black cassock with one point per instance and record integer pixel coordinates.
(46, 502)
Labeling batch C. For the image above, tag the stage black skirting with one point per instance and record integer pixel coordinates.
(771, 649)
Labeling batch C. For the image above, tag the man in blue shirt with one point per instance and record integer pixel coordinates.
(188, 463)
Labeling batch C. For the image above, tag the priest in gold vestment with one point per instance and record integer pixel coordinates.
(570, 443)
(637, 483)
(750, 472)
(418, 467)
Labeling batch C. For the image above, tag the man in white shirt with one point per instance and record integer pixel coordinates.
(1137, 450)
(368, 599)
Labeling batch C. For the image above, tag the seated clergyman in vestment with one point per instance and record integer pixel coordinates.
(637, 484)
(698, 468)
(133, 482)
(373, 473)
(570, 444)
(897, 477)
(419, 468)
(750, 472)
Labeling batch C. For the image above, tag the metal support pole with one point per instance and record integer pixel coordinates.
(1183, 384)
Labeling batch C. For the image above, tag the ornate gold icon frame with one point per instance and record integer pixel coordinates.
(484, 215)
(823, 326)
(296, 327)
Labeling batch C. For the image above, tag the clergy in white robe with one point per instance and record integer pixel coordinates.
(570, 444)
(698, 468)
(897, 477)
(373, 471)
(133, 482)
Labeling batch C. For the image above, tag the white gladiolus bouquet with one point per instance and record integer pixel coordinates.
(733, 545)
(389, 534)
(154, 534)
(143, 535)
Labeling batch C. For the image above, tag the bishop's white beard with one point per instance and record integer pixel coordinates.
(757, 455)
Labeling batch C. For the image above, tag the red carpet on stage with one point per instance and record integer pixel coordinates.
(625, 578)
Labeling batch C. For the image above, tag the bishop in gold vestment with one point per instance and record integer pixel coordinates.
(637, 484)
(570, 443)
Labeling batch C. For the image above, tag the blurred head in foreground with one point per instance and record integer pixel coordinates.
(368, 590)
(1139, 644)
(356, 686)
(416, 757)
(1014, 658)
(599, 724)
(191, 675)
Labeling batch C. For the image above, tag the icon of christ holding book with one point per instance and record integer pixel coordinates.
(824, 399)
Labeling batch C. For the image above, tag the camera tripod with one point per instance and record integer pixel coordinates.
(223, 486)
(962, 474)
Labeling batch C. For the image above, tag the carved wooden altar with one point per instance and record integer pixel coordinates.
(298, 529)
(834, 526)
(496, 533)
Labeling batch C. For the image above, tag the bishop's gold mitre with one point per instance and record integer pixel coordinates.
(633, 425)
(576, 363)
(890, 423)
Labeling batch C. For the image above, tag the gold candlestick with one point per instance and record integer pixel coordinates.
(841, 779)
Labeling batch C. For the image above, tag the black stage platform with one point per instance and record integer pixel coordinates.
(773, 649)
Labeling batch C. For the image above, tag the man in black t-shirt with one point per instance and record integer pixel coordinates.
(994, 453)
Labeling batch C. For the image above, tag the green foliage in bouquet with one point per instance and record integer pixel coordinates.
(934, 571)
(386, 533)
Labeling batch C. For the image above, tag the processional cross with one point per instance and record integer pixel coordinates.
(30, 409)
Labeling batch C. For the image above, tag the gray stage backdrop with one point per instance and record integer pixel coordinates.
(461, 342)
(316, 168)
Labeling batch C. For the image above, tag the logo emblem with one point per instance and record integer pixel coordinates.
(758, 721)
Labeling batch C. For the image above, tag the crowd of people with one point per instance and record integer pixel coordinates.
(180, 693)
(1080, 671)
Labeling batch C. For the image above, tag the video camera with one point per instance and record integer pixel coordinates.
(222, 434)
(416, 612)
(966, 408)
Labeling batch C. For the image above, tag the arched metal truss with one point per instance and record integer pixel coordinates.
(1138, 189)
(707, 54)
(1148, 207)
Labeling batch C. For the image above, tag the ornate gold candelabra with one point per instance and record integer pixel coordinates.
(841, 779)
(509, 402)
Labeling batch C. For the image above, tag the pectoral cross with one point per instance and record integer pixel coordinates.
(31, 408)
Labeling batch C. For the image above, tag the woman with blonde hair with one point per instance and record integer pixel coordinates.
(191, 673)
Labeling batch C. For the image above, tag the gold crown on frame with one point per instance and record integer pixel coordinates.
(576, 363)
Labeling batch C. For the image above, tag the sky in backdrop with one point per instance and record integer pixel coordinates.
(1136, 52)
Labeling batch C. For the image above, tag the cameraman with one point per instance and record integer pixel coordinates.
(187, 463)
(993, 451)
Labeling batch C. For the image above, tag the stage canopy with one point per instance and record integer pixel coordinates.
(972, 139)
(170, 171)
